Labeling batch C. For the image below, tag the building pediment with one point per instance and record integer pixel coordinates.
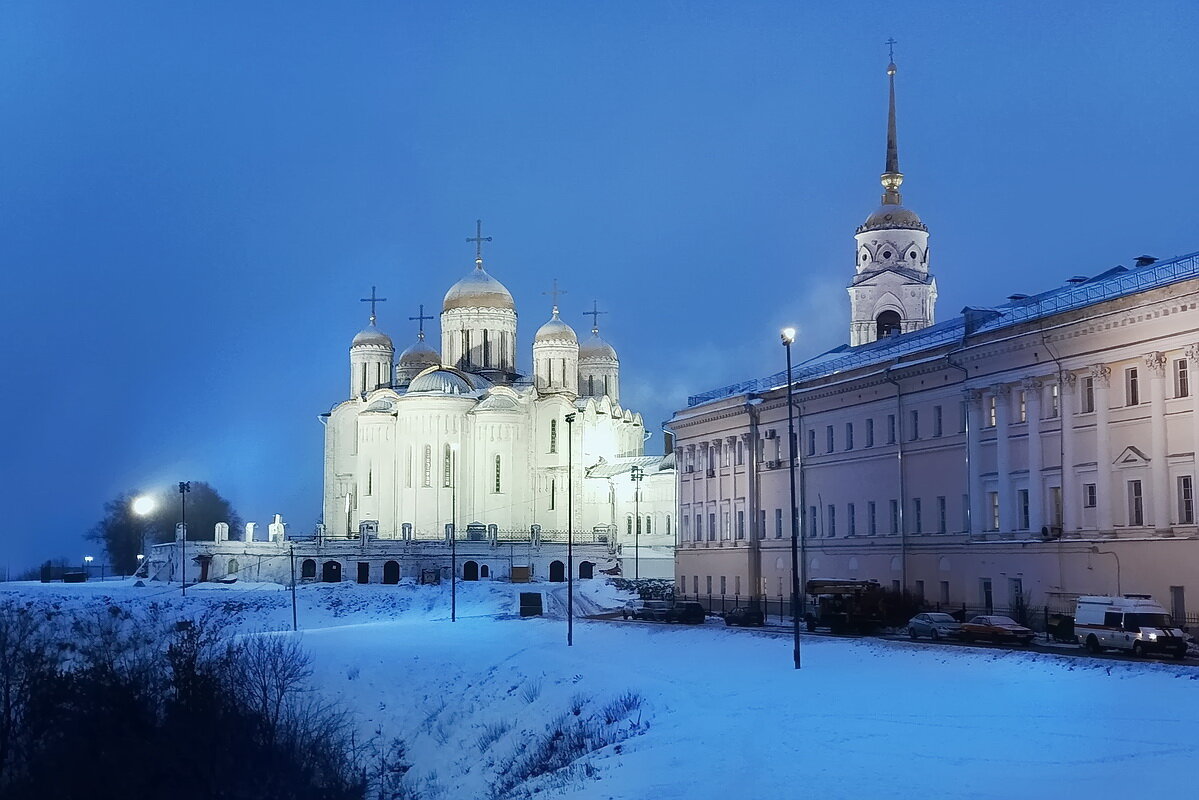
(1131, 457)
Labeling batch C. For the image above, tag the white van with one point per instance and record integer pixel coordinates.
(1132, 622)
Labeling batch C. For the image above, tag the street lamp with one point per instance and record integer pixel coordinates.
(143, 506)
(1099, 552)
(453, 533)
(637, 473)
(184, 488)
(788, 336)
(87, 562)
(570, 531)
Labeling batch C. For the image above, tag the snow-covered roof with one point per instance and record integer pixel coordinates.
(1114, 283)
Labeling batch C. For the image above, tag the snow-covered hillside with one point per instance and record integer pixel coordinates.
(664, 712)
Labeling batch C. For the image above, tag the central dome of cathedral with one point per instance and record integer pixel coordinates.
(440, 381)
(478, 290)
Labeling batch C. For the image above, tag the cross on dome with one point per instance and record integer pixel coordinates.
(554, 292)
(373, 300)
(478, 239)
(594, 313)
(420, 317)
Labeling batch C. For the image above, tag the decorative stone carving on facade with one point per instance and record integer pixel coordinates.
(1031, 384)
(1155, 362)
(1101, 374)
(1002, 390)
(1192, 353)
(1070, 379)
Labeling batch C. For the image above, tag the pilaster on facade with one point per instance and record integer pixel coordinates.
(1036, 462)
(973, 399)
(1159, 468)
(1003, 456)
(1101, 380)
(1070, 500)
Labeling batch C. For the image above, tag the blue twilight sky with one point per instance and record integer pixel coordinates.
(195, 195)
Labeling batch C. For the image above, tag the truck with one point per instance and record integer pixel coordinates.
(844, 606)
(1133, 622)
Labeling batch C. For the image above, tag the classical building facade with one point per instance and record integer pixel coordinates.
(458, 452)
(1013, 456)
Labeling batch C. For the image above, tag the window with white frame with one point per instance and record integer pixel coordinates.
(812, 522)
(917, 516)
(1182, 378)
(992, 411)
(740, 524)
(1055, 400)
(851, 521)
(712, 527)
(872, 518)
(915, 433)
(942, 517)
(812, 441)
(849, 436)
(1186, 500)
(498, 482)
(1022, 503)
(1088, 495)
(828, 435)
(687, 529)
(993, 502)
(894, 517)
(778, 523)
(937, 421)
(870, 433)
(832, 521)
(1087, 388)
(427, 472)
(1023, 406)
(1132, 387)
(1136, 504)
(890, 429)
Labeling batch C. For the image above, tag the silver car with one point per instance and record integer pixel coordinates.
(934, 625)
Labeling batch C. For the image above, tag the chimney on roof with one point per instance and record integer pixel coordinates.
(1144, 261)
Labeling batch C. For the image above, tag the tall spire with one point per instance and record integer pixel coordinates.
(892, 178)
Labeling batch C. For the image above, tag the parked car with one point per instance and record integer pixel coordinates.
(1131, 622)
(690, 613)
(745, 616)
(935, 625)
(649, 610)
(996, 629)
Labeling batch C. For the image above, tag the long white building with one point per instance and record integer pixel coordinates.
(1013, 456)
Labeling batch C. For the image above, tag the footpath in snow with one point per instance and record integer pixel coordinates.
(670, 712)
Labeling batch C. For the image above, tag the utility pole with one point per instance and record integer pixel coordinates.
(637, 473)
(788, 335)
(293, 587)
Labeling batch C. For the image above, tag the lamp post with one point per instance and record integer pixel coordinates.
(1099, 552)
(637, 473)
(453, 533)
(143, 506)
(87, 563)
(184, 488)
(788, 336)
(570, 531)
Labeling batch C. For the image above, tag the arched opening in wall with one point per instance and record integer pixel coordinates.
(233, 567)
(586, 569)
(331, 572)
(470, 571)
(484, 571)
(887, 323)
(308, 568)
(391, 572)
(557, 572)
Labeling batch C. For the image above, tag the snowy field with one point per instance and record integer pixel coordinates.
(668, 712)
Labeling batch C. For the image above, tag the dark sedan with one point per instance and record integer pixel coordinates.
(996, 629)
(745, 617)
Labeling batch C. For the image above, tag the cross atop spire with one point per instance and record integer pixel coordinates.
(554, 293)
(478, 239)
(373, 300)
(420, 317)
(594, 313)
(892, 178)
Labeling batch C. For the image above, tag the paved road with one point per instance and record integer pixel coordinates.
(1051, 648)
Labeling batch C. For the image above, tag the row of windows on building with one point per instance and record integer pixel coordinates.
(447, 471)
(860, 519)
(708, 455)
(644, 524)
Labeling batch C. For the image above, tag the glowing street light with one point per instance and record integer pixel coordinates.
(144, 505)
(788, 336)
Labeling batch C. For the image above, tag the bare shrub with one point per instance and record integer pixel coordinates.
(531, 690)
(491, 734)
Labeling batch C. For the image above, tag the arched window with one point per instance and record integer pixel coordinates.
(233, 566)
(591, 384)
(638, 525)
(629, 525)
(427, 473)
(553, 492)
(308, 568)
(887, 323)
(447, 477)
(668, 524)
(553, 435)
(498, 485)
(647, 526)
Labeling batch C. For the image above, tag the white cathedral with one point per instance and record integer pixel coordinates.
(462, 441)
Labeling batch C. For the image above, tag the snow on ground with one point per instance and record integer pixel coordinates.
(722, 712)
